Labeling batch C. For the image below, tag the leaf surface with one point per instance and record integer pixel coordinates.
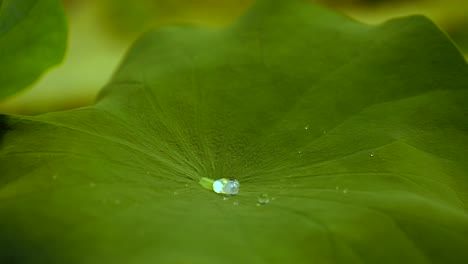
(357, 133)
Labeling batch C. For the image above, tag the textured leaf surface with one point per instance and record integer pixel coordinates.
(33, 36)
(357, 133)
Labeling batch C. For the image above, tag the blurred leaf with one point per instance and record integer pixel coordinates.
(357, 133)
(32, 39)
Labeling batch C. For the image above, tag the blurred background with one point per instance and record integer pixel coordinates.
(102, 30)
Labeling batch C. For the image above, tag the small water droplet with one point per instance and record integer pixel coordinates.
(299, 152)
(372, 154)
(324, 132)
(306, 127)
(176, 193)
(337, 187)
(263, 198)
(225, 197)
(186, 185)
(117, 201)
(236, 203)
(226, 186)
(345, 190)
(92, 184)
(273, 198)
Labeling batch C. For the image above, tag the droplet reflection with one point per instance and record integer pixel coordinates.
(263, 199)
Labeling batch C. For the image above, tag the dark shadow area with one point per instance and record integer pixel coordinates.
(3, 128)
(17, 247)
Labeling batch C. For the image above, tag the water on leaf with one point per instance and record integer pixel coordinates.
(226, 186)
(263, 198)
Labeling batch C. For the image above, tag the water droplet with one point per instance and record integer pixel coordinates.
(299, 152)
(92, 184)
(117, 201)
(306, 127)
(186, 185)
(263, 198)
(273, 198)
(345, 190)
(236, 203)
(324, 132)
(372, 154)
(226, 186)
(176, 193)
(337, 187)
(225, 197)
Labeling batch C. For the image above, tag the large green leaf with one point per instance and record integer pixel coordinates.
(33, 36)
(357, 133)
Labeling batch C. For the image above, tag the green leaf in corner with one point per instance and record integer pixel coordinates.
(349, 142)
(33, 36)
